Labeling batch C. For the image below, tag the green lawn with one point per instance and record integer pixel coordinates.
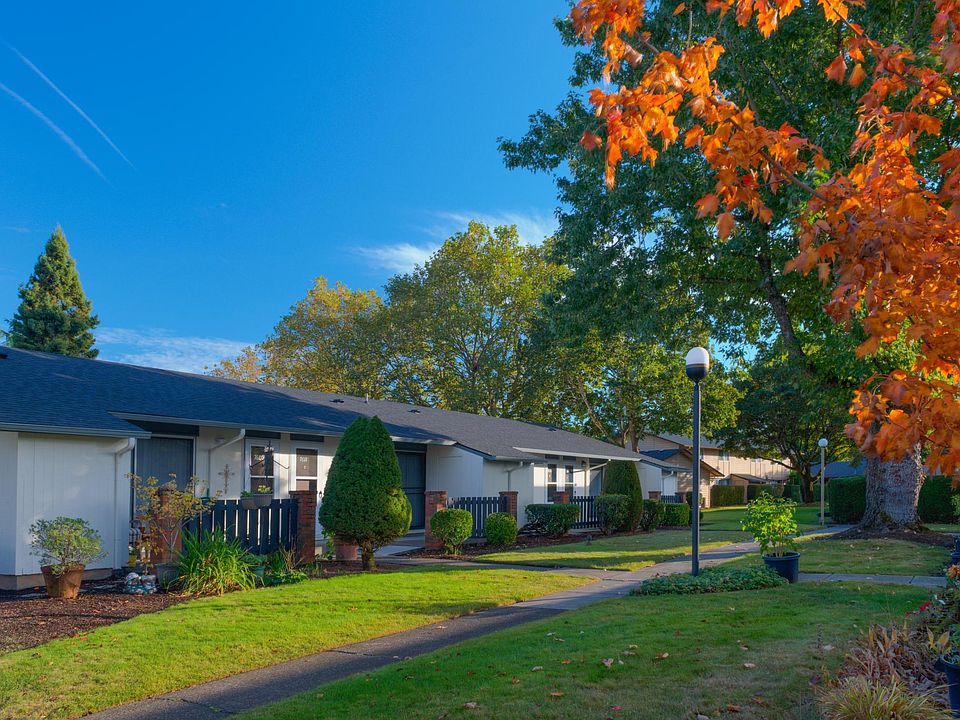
(671, 657)
(728, 518)
(621, 552)
(213, 637)
(878, 557)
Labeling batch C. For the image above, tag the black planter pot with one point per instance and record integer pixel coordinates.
(952, 671)
(248, 503)
(955, 557)
(262, 500)
(786, 566)
(956, 543)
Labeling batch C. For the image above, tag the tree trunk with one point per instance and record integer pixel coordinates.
(893, 489)
(366, 554)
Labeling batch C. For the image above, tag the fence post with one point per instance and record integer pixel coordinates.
(562, 497)
(306, 522)
(509, 498)
(435, 500)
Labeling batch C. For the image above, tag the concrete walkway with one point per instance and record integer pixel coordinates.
(244, 691)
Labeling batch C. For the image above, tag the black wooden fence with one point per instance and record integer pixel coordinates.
(260, 531)
(479, 508)
(588, 512)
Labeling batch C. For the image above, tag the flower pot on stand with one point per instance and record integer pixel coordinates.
(65, 585)
(345, 551)
(952, 671)
(786, 565)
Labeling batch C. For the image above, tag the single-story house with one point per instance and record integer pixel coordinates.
(669, 471)
(72, 430)
(839, 468)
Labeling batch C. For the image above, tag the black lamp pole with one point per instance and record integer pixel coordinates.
(698, 365)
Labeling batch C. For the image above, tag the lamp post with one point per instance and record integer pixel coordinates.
(698, 365)
(822, 442)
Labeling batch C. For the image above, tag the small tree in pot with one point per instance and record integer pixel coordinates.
(773, 524)
(65, 547)
(364, 502)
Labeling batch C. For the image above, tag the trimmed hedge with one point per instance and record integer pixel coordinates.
(613, 512)
(755, 491)
(726, 495)
(676, 514)
(935, 504)
(792, 492)
(553, 519)
(688, 498)
(621, 478)
(712, 580)
(651, 515)
(848, 498)
(500, 529)
(452, 527)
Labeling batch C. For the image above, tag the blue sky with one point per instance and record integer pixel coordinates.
(231, 152)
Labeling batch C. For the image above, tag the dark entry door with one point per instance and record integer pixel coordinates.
(158, 457)
(413, 474)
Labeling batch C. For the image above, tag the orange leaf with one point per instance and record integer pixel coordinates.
(857, 76)
(590, 141)
(707, 205)
(725, 225)
(950, 56)
(679, 9)
(837, 69)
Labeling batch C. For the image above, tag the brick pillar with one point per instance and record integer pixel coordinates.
(654, 494)
(434, 500)
(511, 502)
(160, 549)
(306, 523)
(562, 497)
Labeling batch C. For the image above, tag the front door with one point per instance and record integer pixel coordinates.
(162, 457)
(413, 475)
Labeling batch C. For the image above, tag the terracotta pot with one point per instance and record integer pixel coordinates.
(345, 551)
(66, 585)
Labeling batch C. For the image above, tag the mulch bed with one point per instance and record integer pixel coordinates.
(924, 537)
(28, 619)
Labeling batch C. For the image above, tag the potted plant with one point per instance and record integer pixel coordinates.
(247, 501)
(946, 647)
(773, 525)
(263, 496)
(65, 547)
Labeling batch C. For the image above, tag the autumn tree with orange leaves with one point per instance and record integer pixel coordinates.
(882, 231)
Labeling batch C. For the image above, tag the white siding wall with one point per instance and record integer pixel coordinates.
(8, 508)
(651, 478)
(75, 477)
(458, 471)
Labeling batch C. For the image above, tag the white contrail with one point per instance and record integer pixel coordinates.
(71, 103)
(53, 126)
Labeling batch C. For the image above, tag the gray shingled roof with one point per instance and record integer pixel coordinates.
(41, 392)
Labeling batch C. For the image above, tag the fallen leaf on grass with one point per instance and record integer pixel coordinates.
(556, 694)
(470, 705)
(515, 681)
(564, 662)
(608, 662)
(661, 656)
(749, 666)
(536, 668)
(828, 648)
(734, 708)
(759, 700)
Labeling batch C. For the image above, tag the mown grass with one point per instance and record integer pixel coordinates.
(881, 556)
(728, 518)
(672, 657)
(620, 552)
(214, 637)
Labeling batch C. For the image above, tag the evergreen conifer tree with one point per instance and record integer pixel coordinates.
(54, 314)
(621, 478)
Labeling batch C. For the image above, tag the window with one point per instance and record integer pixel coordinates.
(551, 483)
(725, 455)
(261, 467)
(308, 467)
(569, 479)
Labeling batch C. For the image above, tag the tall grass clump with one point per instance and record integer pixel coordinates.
(212, 565)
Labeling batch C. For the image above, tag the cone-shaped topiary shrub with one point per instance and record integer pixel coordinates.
(364, 502)
(620, 478)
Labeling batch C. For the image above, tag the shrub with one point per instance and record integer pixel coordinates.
(688, 498)
(551, 519)
(935, 504)
(165, 508)
(212, 565)
(364, 502)
(452, 527)
(620, 478)
(613, 511)
(676, 514)
(281, 569)
(651, 515)
(726, 495)
(862, 698)
(712, 580)
(792, 492)
(848, 498)
(501, 529)
(65, 544)
(755, 491)
(773, 524)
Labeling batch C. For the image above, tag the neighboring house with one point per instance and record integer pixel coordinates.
(71, 430)
(839, 468)
(718, 465)
(669, 471)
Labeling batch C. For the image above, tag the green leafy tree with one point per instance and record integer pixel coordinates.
(463, 321)
(54, 315)
(620, 478)
(363, 501)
